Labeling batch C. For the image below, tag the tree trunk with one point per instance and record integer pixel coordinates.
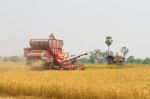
(108, 51)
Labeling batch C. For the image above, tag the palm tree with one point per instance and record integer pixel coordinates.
(108, 42)
(124, 51)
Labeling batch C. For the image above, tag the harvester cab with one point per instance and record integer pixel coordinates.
(51, 53)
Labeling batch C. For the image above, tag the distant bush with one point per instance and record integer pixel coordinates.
(5, 59)
(14, 58)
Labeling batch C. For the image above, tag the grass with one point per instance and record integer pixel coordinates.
(96, 82)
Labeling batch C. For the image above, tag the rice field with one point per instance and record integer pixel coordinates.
(96, 82)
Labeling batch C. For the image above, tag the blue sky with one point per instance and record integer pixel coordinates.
(82, 24)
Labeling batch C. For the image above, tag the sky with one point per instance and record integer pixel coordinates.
(82, 24)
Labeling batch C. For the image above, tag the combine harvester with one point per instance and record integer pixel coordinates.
(51, 53)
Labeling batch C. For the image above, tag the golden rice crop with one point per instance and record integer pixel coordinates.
(105, 83)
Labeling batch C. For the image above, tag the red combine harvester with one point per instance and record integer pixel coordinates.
(50, 52)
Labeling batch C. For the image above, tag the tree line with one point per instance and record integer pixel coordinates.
(101, 59)
(12, 58)
(97, 57)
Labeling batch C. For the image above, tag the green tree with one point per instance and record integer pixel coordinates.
(138, 61)
(83, 60)
(146, 61)
(96, 56)
(5, 59)
(92, 60)
(14, 58)
(108, 41)
(131, 59)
